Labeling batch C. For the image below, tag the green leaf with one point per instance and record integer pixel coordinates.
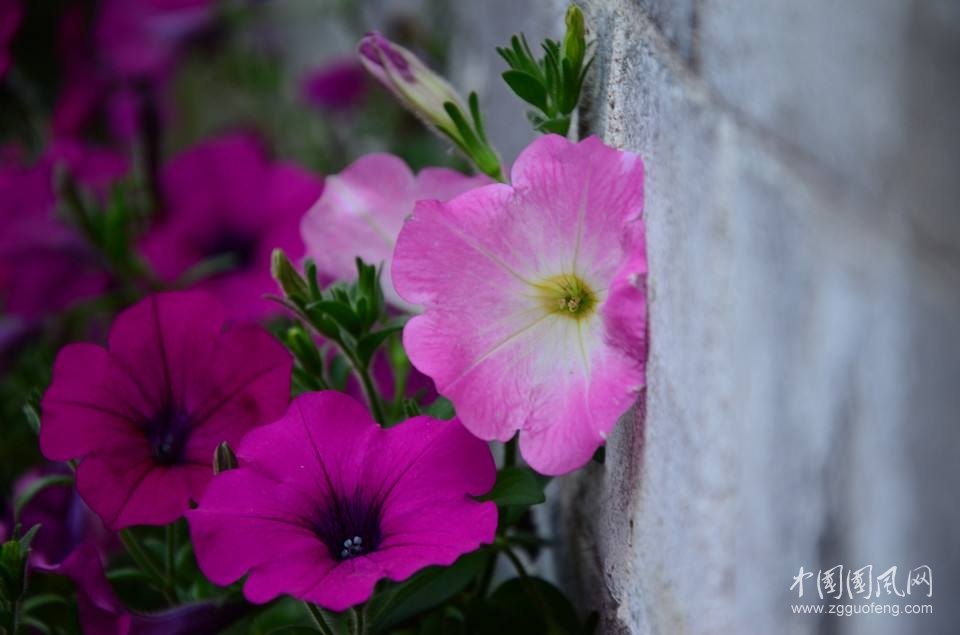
(128, 574)
(425, 590)
(569, 90)
(559, 126)
(31, 411)
(41, 601)
(525, 606)
(35, 624)
(474, 103)
(338, 311)
(527, 88)
(37, 486)
(27, 538)
(516, 486)
(441, 408)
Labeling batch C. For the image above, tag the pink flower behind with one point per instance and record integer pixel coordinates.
(325, 503)
(535, 314)
(362, 209)
(45, 265)
(11, 12)
(224, 197)
(93, 93)
(145, 415)
(139, 38)
(338, 85)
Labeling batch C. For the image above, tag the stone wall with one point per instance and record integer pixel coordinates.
(802, 410)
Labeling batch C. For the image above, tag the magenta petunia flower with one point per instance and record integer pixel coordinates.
(225, 198)
(11, 12)
(139, 38)
(94, 94)
(362, 209)
(338, 85)
(45, 265)
(325, 503)
(145, 414)
(534, 307)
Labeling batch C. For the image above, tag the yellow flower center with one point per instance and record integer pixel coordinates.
(568, 295)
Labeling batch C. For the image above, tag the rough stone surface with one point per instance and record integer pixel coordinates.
(804, 265)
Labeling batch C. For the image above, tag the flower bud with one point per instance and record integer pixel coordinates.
(224, 459)
(291, 282)
(420, 89)
(574, 42)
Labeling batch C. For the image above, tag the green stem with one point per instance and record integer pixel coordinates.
(487, 576)
(169, 561)
(373, 398)
(358, 618)
(510, 452)
(319, 619)
(143, 560)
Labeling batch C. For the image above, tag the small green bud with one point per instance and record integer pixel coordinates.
(291, 282)
(575, 43)
(224, 459)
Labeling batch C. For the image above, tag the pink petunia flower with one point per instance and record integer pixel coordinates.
(534, 306)
(145, 414)
(102, 613)
(11, 12)
(45, 265)
(362, 209)
(225, 198)
(325, 503)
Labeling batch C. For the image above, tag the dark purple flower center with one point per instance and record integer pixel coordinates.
(349, 526)
(239, 246)
(167, 433)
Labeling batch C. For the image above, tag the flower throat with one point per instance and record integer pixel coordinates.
(568, 295)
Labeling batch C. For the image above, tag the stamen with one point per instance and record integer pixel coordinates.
(567, 294)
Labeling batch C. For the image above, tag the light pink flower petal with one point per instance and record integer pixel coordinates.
(443, 184)
(579, 197)
(363, 208)
(359, 214)
(480, 263)
(480, 306)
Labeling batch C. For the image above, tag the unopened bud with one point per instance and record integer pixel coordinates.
(420, 89)
(574, 42)
(291, 282)
(224, 459)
